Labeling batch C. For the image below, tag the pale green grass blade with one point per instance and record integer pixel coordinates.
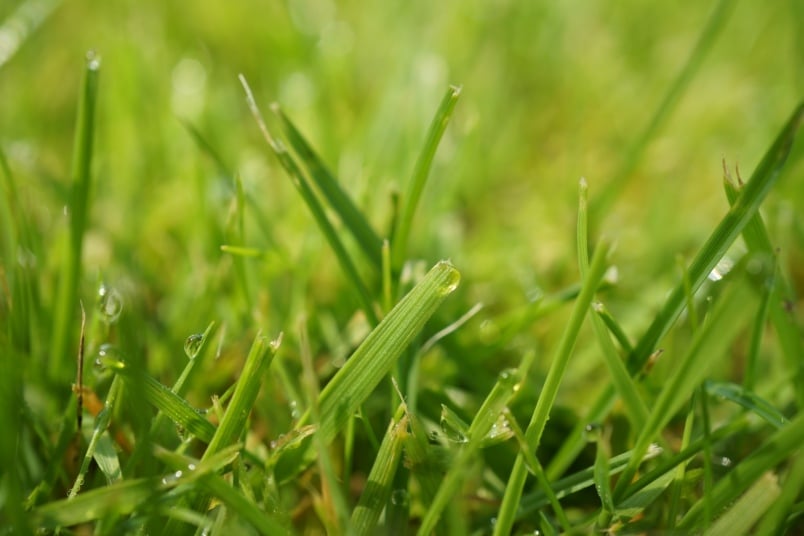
(639, 501)
(421, 171)
(19, 26)
(762, 180)
(338, 200)
(748, 400)
(709, 345)
(106, 457)
(516, 481)
(776, 516)
(79, 206)
(614, 327)
(750, 508)
(635, 152)
(305, 190)
(378, 487)
(374, 358)
(506, 386)
(634, 405)
(602, 473)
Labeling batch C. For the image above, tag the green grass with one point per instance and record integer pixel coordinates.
(372, 311)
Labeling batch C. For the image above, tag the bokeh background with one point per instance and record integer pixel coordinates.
(552, 91)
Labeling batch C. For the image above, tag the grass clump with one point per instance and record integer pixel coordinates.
(253, 326)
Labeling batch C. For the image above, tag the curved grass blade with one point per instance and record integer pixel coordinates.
(64, 318)
(420, 173)
(305, 190)
(338, 200)
(747, 399)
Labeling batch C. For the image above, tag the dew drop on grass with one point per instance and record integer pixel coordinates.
(108, 355)
(110, 304)
(451, 428)
(510, 378)
(193, 344)
(294, 410)
(592, 432)
(453, 279)
(171, 479)
(400, 497)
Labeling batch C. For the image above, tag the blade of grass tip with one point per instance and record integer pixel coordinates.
(667, 106)
(420, 173)
(750, 508)
(708, 345)
(614, 327)
(748, 400)
(79, 206)
(508, 383)
(377, 490)
(756, 238)
(373, 359)
(762, 180)
(516, 481)
(336, 508)
(19, 26)
(304, 189)
(339, 201)
(634, 405)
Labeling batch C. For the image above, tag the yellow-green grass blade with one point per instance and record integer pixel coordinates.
(378, 486)
(516, 481)
(413, 193)
(18, 27)
(79, 206)
(723, 236)
(338, 200)
(748, 509)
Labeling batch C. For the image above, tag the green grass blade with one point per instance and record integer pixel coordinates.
(633, 155)
(166, 401)
(781, 445)
(748, 400)
(709, 344)
(414, 191)
(762, 180)
(374, 358)
(67, 301)
(507, 384)
(19, 26)
(305, 190)
(338, 200)
(516, 481)
(774, 520)
(378, 487)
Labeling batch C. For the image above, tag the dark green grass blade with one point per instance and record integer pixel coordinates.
(541, 412)
(748, 400)
(67, 302)
(762, 180)
(634, 154)
(338, 200)
(306, 191)
(780, 446)
(420, 173)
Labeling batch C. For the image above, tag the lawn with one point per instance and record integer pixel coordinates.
(310, 267)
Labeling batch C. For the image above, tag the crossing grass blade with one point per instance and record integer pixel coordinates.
(79, 206)
(748, 400)
(748, 509)
(305, 190)
(420, 173)
(722, 237)
(516, 481)
(337, 199)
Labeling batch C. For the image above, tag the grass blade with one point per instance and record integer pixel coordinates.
(633, 155)
(750, 508)
(748, 400)
(420, 173)
(19, 26)
(304, 189)
(64, 318)
(516, 481)
(339, 201)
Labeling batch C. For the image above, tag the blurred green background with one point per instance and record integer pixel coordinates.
(552, 91)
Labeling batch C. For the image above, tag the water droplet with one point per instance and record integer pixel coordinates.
(191, 467)
(433, 436)
(110, 304)
(93, 61)
(193, 345)
(294, 410)
(510, 378)
(500, 431)
(592, 432)
(400, 497)
(493, 522)
(171, 479)
(108, 356)
(453, 278)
